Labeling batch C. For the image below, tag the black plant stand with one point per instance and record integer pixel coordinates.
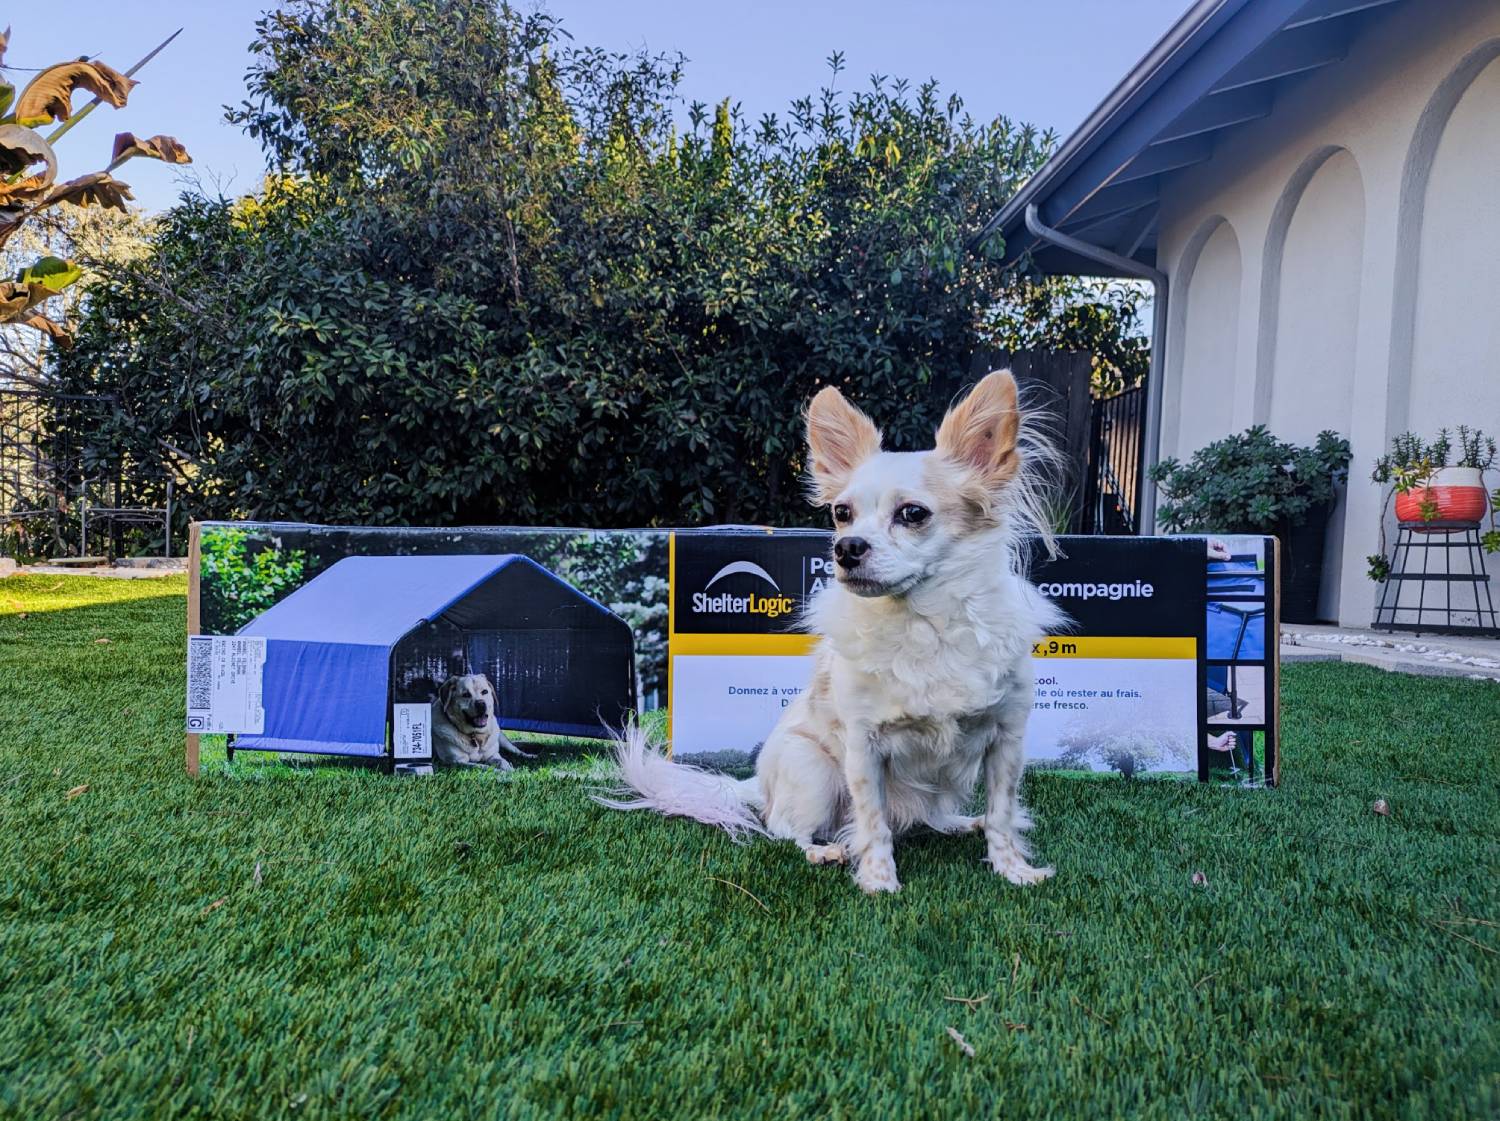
(1445, 539)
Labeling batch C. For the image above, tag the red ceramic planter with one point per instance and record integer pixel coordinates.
(1458, 493)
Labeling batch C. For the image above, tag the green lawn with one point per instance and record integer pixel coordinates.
(341, 944)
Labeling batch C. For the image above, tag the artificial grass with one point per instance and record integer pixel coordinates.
(476, 946)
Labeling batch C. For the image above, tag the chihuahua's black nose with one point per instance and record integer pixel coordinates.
(848, 550)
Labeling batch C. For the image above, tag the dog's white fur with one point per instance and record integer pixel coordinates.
(464, 731)
(922, 680)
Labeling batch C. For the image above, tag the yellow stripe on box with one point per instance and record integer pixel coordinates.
(744, 644)
(1109, 646)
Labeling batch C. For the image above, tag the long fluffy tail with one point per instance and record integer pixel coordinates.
(651, 781)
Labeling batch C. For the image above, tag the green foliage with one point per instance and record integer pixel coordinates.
(1101, 318)
(320, 943)
(493, 282)
(243, 575)
(1251, 483)
(1475, 449)
(1412, 460)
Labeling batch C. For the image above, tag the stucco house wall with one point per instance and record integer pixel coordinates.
(1338, 265)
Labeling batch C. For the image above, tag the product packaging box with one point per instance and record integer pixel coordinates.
(319, 640)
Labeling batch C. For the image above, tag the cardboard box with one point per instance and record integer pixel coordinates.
(1170, 669)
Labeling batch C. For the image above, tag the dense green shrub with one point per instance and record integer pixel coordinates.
(492, 282)
(242, 575)
(1250, 482)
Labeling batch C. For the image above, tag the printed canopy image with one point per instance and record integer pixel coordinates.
(374, 631)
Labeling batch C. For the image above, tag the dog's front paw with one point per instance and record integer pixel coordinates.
(825, 854)
(1024, 875)
(1010, 860)
(877, 874)
(1007, 861)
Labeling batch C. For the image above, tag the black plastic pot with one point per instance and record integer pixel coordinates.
(1302, 565)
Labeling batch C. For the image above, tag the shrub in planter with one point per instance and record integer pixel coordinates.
(1428, 488)
(1254, 483)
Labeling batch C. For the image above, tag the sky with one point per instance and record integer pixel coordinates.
(1044, 61)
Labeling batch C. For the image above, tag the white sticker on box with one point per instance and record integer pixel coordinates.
(413, 734)
(224, 682)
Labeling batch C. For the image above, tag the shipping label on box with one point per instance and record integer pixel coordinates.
(224, 684)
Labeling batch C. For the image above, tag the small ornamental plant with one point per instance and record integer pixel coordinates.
(1438, 479)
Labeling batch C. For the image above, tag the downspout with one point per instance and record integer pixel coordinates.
(1150, 451)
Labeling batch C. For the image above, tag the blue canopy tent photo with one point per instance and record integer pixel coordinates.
(372, 632)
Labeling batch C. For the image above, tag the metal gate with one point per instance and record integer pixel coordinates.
(1112, 490)
(53, 500)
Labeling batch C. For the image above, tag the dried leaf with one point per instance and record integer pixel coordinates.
(102, 641)
(14, 299)
(49, 96)
(21, 148)
(963, 1044)
(1381, 807)
(77, 790)
(17, 299)
(968, 1001)
(166, 148)
(10, 221)
(4, 43)
(56, 331)
(216, 904)
(98, 188)
(22, 189)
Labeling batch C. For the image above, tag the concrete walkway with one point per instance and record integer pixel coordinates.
(1435, 655)
(144, 568)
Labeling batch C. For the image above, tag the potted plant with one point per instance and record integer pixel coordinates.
(1254, 483)
(1428, 488)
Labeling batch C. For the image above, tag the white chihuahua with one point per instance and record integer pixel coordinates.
(923, 677)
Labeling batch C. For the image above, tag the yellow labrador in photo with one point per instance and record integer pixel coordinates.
(464, 731)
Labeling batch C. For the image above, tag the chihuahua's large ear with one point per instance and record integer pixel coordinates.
(840, 438)
(980, 431)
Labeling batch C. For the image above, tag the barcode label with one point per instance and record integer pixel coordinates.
(200, 673)
(224, 683)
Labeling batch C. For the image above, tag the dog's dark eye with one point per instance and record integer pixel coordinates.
(912, 514)
(841, 514)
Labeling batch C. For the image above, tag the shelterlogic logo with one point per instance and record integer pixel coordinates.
(726, 603)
